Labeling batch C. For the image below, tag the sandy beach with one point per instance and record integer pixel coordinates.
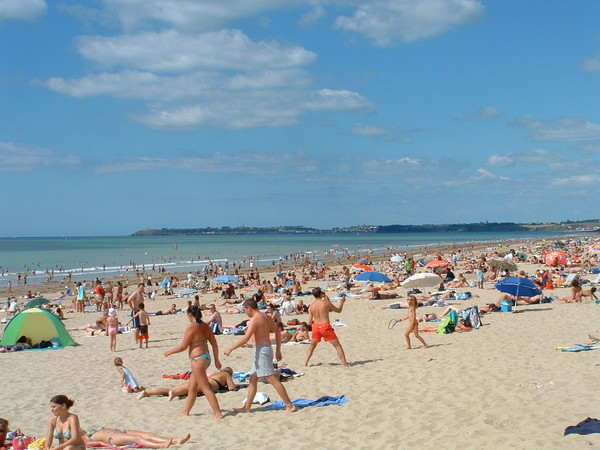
(503, 385)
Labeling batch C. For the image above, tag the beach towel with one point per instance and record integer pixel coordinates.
(579, 348)
(303, 402)
(587, 426)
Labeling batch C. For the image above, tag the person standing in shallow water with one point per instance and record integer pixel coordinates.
(318, 316)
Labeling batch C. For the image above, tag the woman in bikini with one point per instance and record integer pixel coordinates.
(197, 336)
(113, 437)
(219, 381)
(63, 426)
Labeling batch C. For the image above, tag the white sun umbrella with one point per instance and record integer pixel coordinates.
(396, 258)
(422, 280)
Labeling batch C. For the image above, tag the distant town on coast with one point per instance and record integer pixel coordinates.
(591, 225)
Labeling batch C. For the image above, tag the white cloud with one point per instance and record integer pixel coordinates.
(568, 129)
(17, 157)
(484, 113)
(172, 51)
(592, 64)
(216, 79)
(537, 156)
(578, 180)
(22, 9)
(361, 129)
(316, 13)
(385, 21)
(190, 15)
(255, 162)
(209, 99)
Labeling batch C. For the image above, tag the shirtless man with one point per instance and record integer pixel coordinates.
(479, 271)
(318, 316)
(215, 321)
(134, 301)
(259, 327)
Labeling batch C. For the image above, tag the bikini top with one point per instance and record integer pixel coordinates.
(66, 435)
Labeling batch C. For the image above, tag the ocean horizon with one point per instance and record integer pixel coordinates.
(88, 257)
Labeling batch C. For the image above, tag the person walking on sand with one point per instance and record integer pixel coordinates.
(259, 327)
(318, 316)
(134, 301)
(413, 322)
(196, 339)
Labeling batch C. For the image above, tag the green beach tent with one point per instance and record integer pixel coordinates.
(37, 324)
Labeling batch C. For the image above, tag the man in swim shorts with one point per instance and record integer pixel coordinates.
(259, 327)
(134, 301)
(318, 316)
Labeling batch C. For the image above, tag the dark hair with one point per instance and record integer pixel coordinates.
(141, 306)
(62, 400)
(317, 292)
(196, 312)
(251, 303)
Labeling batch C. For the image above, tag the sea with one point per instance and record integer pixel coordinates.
(90, 257)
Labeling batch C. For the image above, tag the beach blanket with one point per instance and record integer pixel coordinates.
(587, 426)
(304, 402)
(578, 348)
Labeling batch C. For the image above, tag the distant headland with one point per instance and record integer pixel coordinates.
(584, 226)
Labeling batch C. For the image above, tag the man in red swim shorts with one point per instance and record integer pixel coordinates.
(318, 316)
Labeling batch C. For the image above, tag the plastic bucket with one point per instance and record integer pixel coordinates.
(506, 306)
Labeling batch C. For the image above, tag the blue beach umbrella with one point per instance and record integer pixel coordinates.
(373, 276)
(519, 287)
(226, 279)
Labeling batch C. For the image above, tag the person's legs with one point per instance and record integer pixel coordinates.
(208, 392)
(309, 352)
(252, 388)
(407, 336)
(340, 351)
(192, 390)
(416, 331)
(158, 392)
(278, 385)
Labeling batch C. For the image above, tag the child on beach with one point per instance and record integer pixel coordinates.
(413, 322)
(128, 381)
(112, 326)
(144, 319)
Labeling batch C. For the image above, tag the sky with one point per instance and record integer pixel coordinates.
(122, 115)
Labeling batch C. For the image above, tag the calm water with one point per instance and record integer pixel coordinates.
(90, 257)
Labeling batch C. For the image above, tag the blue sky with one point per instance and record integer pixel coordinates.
(120, 115)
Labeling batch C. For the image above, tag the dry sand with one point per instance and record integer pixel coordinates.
(502, 386)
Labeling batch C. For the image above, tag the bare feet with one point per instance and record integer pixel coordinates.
(291, 409)
(182, 440)
(219, 416)
(171, 396)
(142, 394)
(241, 410)
(183, 413)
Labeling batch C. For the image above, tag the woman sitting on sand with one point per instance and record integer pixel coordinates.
(219, 381)
(576, 293)
(113, 437)
(460, 282)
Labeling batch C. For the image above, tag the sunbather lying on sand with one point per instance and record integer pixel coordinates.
(219, 381)
(521, 300)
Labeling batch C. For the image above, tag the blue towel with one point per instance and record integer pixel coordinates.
(304, 402)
